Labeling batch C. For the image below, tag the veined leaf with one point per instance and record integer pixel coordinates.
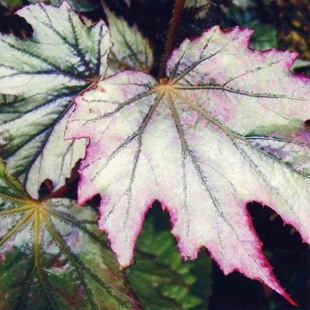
(52, 256)
(190, 141)
(44, 73)
(130, 49)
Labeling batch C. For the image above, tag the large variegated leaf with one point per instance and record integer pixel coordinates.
(52, 256)
(197, 142)
(43, 74)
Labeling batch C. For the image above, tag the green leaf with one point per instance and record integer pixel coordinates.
(52, 256)
(246, 15)
(264, 36)
(130, 49)
(160, 277)
(12, 3)
(41, 76)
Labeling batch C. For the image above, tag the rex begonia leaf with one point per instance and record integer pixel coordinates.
(45, 263)
(43, 74)
(191, 141)
(130, 49)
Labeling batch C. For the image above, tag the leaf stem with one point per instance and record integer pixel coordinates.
(59, 193)
(63, 190)
(174, 24)
(103, 5)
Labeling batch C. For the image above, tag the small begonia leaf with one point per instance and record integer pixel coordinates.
(130, 49)
(45, 263)
(191, 141)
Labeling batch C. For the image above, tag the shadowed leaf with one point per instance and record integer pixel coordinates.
(130, 49)
(52, 256)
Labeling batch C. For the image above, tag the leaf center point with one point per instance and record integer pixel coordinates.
(165, 86)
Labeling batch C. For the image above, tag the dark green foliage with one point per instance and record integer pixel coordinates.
(160, 277)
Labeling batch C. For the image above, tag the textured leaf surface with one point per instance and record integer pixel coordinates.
(41, 75)
(45, 263)
(193, 141)
(160, 278)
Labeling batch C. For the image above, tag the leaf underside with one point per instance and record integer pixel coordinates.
(44, 261)
(225, 128)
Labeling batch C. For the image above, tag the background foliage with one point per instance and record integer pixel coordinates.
(160, 279)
